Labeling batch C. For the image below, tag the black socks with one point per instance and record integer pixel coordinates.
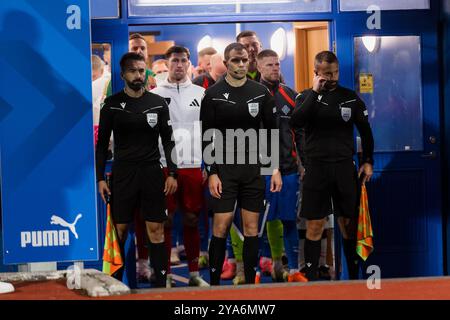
(250, 258)
(217, 248)
(312, 256)
(159, 259)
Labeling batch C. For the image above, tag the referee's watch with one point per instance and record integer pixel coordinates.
(173, 174)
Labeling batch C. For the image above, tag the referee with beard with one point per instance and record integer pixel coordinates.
(137, 118)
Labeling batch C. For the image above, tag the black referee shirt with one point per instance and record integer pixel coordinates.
(328, 119)
(250, 106)
(137, 124)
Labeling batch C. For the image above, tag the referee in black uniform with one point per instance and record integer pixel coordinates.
(328, 113)
(137, 118)
(236, 105)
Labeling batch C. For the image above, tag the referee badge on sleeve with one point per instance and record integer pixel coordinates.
(253, 109)
(346, 113)
(152, 119)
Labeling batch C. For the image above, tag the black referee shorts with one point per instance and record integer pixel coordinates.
(324, 181)
(140, 186)
(241, 182)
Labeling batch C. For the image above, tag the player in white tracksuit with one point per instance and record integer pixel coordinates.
(184, 99)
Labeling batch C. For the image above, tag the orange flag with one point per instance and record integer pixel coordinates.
(364, 246)
(112, 260)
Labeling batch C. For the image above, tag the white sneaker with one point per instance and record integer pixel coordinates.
(6, 287)
(170, 283)
(197, 281)
(239, 278)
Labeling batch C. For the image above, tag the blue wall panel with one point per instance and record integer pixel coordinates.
(46, 126)
(104, 9)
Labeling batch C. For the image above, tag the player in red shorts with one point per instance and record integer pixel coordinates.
(184, 99)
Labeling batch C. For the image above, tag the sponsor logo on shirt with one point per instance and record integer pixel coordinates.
(194, 103)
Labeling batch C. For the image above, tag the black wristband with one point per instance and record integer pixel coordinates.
(367, 160)
(173, 174)
(211, 169)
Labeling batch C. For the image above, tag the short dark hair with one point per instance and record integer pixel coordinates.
(137, 36)
(127, 57)
(177, 49)
(325, 56)
(244, 34)
(207, 51)
(266, 53)
(233, 46)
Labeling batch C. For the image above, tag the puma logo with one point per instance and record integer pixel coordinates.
(60, 221)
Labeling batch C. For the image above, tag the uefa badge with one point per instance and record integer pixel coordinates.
(152, 119)
(253, 109)
(346, 113)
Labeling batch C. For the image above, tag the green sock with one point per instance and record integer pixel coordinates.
(275, 236)
(237, 244)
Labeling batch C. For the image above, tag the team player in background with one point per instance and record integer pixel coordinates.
(283, 205)
(206, 80)
(161, 68)
(204, 61)
(100, 79)
(138, 44)
(184, 100)
(252, 44)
